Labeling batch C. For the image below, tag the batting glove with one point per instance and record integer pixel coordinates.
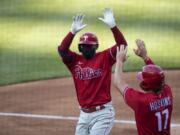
(108, 17)
(77, 23)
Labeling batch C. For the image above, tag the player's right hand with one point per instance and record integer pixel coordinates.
(141, 49)
(121, 54)
(77, 23)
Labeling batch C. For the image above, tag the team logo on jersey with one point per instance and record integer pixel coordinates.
(87, 73)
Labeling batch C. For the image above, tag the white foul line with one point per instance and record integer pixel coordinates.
(64, 118)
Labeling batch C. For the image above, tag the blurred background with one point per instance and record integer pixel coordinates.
(31, 30)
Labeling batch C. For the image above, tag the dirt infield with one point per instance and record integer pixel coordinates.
(50, 107)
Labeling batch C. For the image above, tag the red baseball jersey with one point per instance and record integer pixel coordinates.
(152, 111)
(92, 77)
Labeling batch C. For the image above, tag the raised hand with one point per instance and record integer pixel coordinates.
(77, 23)
(141, 49)
(108, 18)
(121, 54)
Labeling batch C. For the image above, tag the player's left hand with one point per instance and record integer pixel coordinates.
(108, 17)
(121, 54)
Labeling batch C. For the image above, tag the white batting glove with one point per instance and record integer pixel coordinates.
(77, 23)
(108, 17)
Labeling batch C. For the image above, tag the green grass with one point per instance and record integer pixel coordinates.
(30, 32)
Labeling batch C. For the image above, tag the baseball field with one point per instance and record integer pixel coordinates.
(36, 90)
(50, 108)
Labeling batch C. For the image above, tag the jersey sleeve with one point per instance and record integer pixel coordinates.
(109, 56)
(133, 98)
(118, 36)
(148, 61)
(70, 58)
(67, 56)
(120, 40)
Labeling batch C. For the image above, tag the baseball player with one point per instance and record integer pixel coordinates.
(154, 103)
(91, 72)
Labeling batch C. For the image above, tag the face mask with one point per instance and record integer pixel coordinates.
(88, 51)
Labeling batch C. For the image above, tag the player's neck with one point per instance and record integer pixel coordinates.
(154, 91)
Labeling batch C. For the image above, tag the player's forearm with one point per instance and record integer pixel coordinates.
(65, 44)
(118, 76)
(118, 36)
(148, 60)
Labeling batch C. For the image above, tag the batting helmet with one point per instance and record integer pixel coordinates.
(151, 77)
(88, 39)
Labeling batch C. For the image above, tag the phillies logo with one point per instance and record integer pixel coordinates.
(87, 73)
(85, 38)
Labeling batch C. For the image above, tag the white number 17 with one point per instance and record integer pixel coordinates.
(159, 118)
